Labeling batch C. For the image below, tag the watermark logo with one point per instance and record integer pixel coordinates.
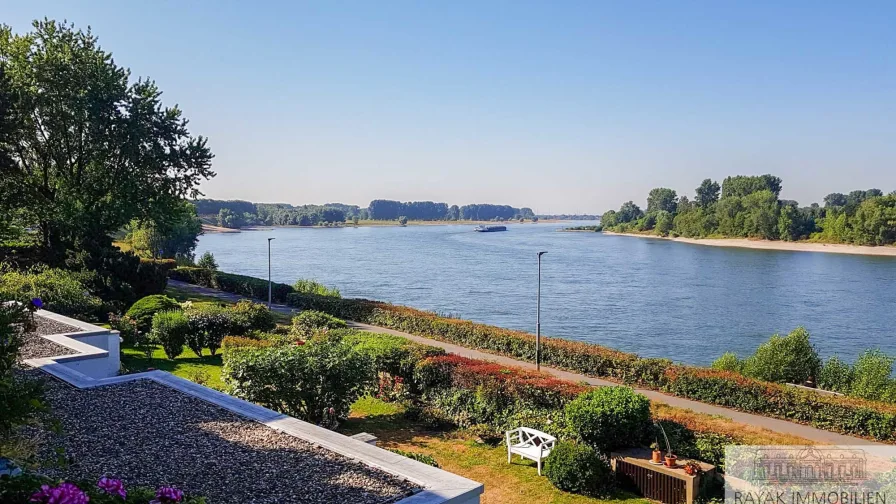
(810, 474)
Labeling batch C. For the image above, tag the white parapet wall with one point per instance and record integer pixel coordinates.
(97, 364)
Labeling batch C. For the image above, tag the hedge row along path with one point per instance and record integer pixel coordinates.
(774, 424)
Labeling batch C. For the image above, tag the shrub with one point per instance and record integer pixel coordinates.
(209, 324)
(60, 290)
(247, 316)
(170, 329)
(207, 261)
(835, 375)
(143, 310)
(30, 488)
(308, 323)
(126, 327)
(871, 375)
(304, 381)
(239, 342)
(787, 359)
(610, 417)
(728, 362)
(579, 469)
(390, 354)
(316, 288)
(19, 397)
(419, 457)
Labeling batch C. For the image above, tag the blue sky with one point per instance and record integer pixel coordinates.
(560, 106)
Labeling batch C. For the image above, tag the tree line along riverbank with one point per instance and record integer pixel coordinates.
(749, 207)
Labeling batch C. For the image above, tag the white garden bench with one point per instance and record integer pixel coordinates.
(529, 443)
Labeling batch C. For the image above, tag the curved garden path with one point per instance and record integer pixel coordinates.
(782, 426)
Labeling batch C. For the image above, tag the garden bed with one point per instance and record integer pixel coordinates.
(36, 347)
(150, 435)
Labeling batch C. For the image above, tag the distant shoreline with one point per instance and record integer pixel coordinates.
(208, 228)
(830, 248)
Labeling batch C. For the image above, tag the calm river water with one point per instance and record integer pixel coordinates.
(654, 297)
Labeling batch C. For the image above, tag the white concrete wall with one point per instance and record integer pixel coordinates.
(98, 349)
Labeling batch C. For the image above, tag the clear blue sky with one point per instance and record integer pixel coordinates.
(561, 106)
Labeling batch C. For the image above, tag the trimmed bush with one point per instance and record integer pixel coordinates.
(835, 375)
(608, 418)
(209, 324)
(311, 322)
(312, 287)
(784, 359)
(304, 381)
(142, 311)
(247, 286)
(241, 342)
(170, 330)
(61, 291)
(579, 469)
(390, 354)
(247, 316)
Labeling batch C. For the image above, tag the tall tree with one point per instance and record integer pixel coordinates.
(93, 149)
(744, 185)
(707, 193)
(662, 199)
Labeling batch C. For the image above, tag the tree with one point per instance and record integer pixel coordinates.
(744, 185)
(663, 223)
(835, 200)
(207, 261)
(707, 193)
(176, 236)
(662, 199)
(92, 149)
(628, 212)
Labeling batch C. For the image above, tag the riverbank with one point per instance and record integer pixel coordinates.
(208, 228)
(802, 246)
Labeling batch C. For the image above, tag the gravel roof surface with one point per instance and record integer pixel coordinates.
(36, 347)
(148, 434)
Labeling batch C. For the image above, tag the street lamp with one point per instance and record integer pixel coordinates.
(538, 317)
(269, 273)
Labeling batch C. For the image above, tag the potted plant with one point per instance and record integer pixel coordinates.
(670, 458)
(657, 455)
(692, 468)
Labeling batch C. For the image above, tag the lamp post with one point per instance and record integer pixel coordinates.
(538, 317)
(269, 273)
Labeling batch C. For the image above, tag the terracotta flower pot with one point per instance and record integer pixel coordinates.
(671, 460)
(657, 457)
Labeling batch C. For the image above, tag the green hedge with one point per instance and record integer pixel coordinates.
(839, 414)
(228, 282)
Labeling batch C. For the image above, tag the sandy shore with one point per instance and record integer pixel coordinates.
(830, 248)
(208, 228)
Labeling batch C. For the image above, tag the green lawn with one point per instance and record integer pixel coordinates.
(205, 370)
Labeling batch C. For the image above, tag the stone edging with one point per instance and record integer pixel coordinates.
(439, 486)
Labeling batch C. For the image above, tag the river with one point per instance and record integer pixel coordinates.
(657, 298)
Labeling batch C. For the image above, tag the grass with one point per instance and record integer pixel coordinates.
(461, 454)
(205, 370)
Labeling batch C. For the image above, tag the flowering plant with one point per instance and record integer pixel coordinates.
(167, 495)
(112, 487)
(63, 493)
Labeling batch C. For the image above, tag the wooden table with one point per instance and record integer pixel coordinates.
(658, 482)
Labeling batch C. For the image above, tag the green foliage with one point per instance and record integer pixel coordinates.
(707, 194)
(109, 151)
(143, 310)
(247, 316)
(419, 457)
(170, 329)
(311, 322)
(61, 291)
(835, 375)
(728, 362)
(209, 324)
(662, 199)
(207, 261)
(609, 417)
(787, 359)
(171, 236)
(20, 489)
(390, 354)
(19, 398)
(247, 286)
(580, 469)
(311, 287)
(743, 185)
(303, 381)
(126, 327)
(664, 223)
(871, 376)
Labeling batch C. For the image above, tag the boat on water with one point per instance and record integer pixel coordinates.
(489, 229)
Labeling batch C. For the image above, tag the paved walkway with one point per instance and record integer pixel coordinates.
(782, 426)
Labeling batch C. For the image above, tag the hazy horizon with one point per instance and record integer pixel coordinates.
(565, 108)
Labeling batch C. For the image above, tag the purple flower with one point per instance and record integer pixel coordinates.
(37, 303)
(112, 487)
(168, 495)
(64, 493)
